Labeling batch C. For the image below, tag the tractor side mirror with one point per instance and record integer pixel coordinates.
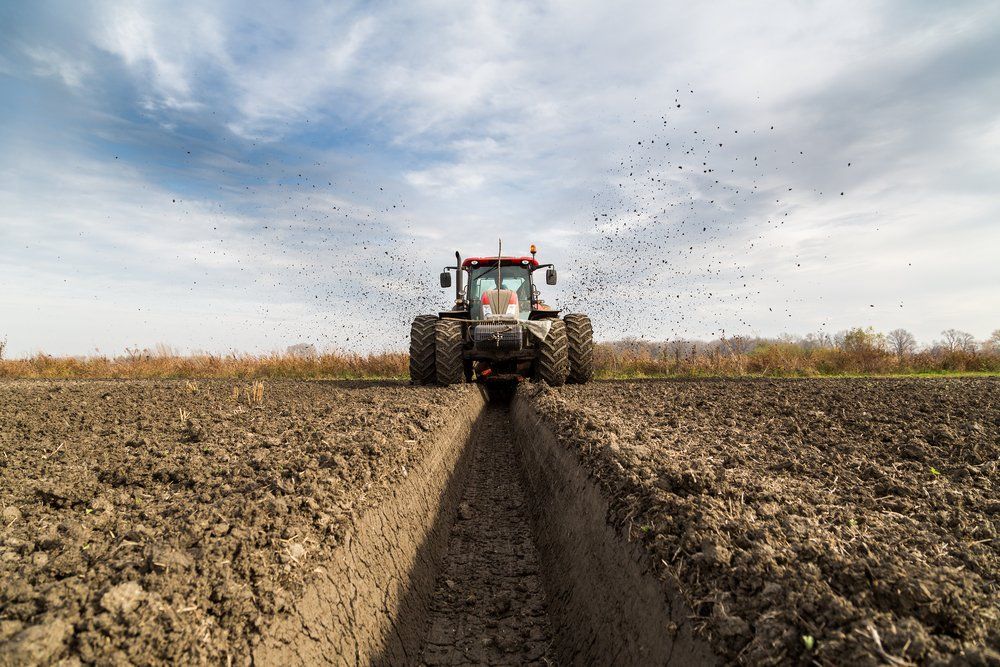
(550, 276)
(445, 279)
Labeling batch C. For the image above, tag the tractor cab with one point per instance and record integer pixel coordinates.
(477, 278)
(485, 279)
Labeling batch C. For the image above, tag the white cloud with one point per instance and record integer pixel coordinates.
(49, 62)
(139, 40)
(126, 262)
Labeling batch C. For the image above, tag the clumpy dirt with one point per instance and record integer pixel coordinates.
(169, 522)
(807, 521)
(489, 606)
(802, 521)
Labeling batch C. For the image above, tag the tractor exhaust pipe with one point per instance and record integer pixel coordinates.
(458, 277)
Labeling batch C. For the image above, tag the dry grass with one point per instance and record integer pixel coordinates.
(786, 360)
(613, 360)
(242, 367)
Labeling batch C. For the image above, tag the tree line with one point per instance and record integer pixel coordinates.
(857, 350)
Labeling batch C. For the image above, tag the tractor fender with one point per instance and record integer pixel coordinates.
(538, 328)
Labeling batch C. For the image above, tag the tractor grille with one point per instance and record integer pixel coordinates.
(498, 336)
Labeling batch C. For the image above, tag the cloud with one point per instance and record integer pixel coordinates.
(336, 149)
(49, 62)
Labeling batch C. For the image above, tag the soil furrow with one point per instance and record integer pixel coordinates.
(489, 605)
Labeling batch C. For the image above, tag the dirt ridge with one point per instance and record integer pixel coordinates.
(175, 522)
(360, 605)
(826, 522)
(608, 603)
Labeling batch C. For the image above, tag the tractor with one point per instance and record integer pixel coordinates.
(499, 331)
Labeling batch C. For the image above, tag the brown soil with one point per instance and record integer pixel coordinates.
(605, 600)
(828, 522)
(168, 522)
(674, 522)
(489, 606)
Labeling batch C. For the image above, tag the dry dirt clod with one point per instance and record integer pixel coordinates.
(716, 553)
(196, 430)
(37, 645)
(164, 558)
(122, 598)
(296, 551)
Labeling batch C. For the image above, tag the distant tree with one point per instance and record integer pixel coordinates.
(675, 348)
(860, 340)
(816, 341)
(901, 342)
(3, 346)
(992, 344)
(629, 344)
(958, 341)
(737, 345)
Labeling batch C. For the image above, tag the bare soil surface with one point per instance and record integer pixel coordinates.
(489, 606)
(807, 521)
(169, 522)
(801, 521)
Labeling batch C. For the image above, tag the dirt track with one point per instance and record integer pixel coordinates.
(824, 522)
(489, 606)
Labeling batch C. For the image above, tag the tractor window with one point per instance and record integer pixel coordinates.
(514, 278)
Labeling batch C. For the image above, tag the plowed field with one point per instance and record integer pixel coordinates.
(677, 522)
(836, 521)
(165, 522)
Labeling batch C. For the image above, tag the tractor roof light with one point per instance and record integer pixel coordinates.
(533, 250)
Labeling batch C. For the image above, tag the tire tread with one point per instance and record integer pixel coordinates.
(580, 333)
(448, 356)
(553, 356)
(422, 345)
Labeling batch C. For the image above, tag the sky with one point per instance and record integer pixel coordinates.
(240, 176)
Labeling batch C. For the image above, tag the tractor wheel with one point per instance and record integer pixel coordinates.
(448, 356)
(553, 356)
(422, 349)
(581, 348)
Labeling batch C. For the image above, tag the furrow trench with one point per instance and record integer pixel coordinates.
(496, 551)
(489, 606)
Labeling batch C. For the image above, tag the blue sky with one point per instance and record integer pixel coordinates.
(246, 176)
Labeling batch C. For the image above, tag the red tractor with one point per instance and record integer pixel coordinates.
(499, 330)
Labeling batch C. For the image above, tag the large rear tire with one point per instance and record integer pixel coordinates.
(448, 352)
(581, 348)
(553, 356)
(422, 370)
